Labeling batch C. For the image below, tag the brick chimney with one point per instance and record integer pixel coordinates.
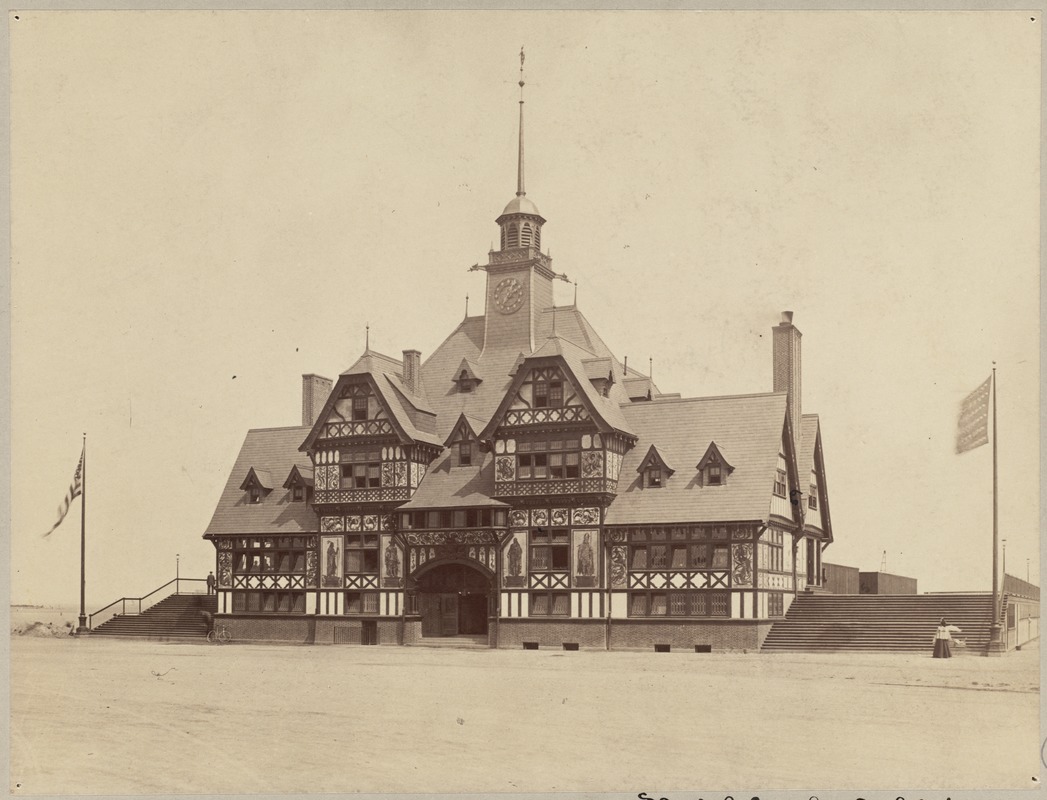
(787, 369)
(412, 370)
(315, 390)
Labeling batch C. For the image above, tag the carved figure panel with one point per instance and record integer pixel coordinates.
(392, 563)
(586, 546)
(619, 566)
(559, 517)
(400, 473)
(516, 560)
(225, 569)
(388, 476)
(310, 568)
(505, 468)
(331, 553)
(518, 517)
(742, 570)
(332, 524)
(540, 517)
(586, 516)
(592, 464)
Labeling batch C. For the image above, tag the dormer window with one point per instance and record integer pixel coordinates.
(654, 471)
(257, 485)
(466, 378)
(464, 384)
(713, 469)
(299, 482)
(465, 454)
(297, 494)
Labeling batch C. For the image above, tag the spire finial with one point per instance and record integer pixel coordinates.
(467, 305)
(367, 337)
(576, 294)
(520, 166)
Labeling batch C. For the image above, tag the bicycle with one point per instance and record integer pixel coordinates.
(219, 635)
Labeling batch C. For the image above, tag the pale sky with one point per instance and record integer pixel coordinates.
(206, 205)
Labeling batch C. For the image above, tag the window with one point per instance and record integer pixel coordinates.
(269, 602)
(654, 478)
(255, 495)
(812, 498)
(465, 454)
(280, 555)
(361, 553)
(720, 559)
(361, 602)
(550, 604)
(364, 470)
(544, 459)
(675, 548)
(779, 483)
(297, 494)
(775, 605)
(550, 549)
(676, 603)
(713, 475)
(359, 408)
(548, 394)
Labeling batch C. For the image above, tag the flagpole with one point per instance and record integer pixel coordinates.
(83, 538)
(996, 646)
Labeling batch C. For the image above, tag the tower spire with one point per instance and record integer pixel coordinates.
(520, 165)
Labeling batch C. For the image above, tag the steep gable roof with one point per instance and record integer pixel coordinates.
(409, 412)
(606, 413)
(750, 427)
(714, 456)
(654, 459)
(302, 476)
(810, 459)
(257, 477)
(273, 451)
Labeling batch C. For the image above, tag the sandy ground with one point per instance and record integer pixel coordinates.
(118, 717)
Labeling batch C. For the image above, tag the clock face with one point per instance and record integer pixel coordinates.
(508, 295)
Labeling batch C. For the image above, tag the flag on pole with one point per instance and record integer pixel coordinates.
(75, 489)
(973, 428)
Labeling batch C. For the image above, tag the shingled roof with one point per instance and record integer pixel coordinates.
(808, 461)
(747, 430)
(273, 451)
(447, 486)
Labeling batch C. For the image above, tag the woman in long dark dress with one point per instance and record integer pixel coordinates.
(942, 641)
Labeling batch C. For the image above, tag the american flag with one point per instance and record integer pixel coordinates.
(973, 428)
(75, 489)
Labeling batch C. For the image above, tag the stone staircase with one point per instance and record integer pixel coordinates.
(177, 617)
(898, 623)
(462, 642)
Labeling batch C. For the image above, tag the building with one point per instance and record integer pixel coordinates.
(524, 487)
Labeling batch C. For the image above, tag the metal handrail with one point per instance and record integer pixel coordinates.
(136, 605)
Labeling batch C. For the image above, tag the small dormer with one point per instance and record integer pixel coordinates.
(299, 484)
(463, 443)
(654, 471)
(257, 485)
(713, 469)
(600, 374)
(466, 377)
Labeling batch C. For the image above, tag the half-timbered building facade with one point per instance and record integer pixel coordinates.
(524, 487)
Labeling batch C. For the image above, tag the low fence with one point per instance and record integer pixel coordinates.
(136, 605)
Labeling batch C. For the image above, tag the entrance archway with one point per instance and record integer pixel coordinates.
(453, 600)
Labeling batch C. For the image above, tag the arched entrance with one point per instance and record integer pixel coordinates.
(453, 600)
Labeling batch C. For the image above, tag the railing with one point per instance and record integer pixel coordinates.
(136, 605)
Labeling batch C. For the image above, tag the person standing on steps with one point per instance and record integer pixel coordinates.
(210, 583)
(942, 640)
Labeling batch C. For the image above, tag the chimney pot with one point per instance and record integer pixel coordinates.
(787, 318)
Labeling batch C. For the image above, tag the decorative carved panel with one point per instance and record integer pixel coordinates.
(742, 571)
(619, 570)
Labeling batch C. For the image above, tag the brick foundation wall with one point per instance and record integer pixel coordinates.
(587, 634)
(412, 630)
(684, 635)
(292, 630)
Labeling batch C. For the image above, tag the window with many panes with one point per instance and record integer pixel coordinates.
(548, 459)
(548, 394)
(713, 475)
(361, 553)
(550, 604)
(812, 498)
(269, 602)
(772, 550)
(678, 603)
(550, 549)
(361, 602)
(363, 470)
(359, 408)
(779, 483)
(654, 478)
(273, 554)
(462, 518)
(678, 556)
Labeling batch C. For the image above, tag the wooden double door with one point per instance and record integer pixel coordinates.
(452, 613)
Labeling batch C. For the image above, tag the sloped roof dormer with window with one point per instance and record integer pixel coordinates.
(713, 469)
(257, 484)
(654, 471)
(467, 376)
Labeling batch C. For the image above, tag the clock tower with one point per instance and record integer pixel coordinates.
(519, 274)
